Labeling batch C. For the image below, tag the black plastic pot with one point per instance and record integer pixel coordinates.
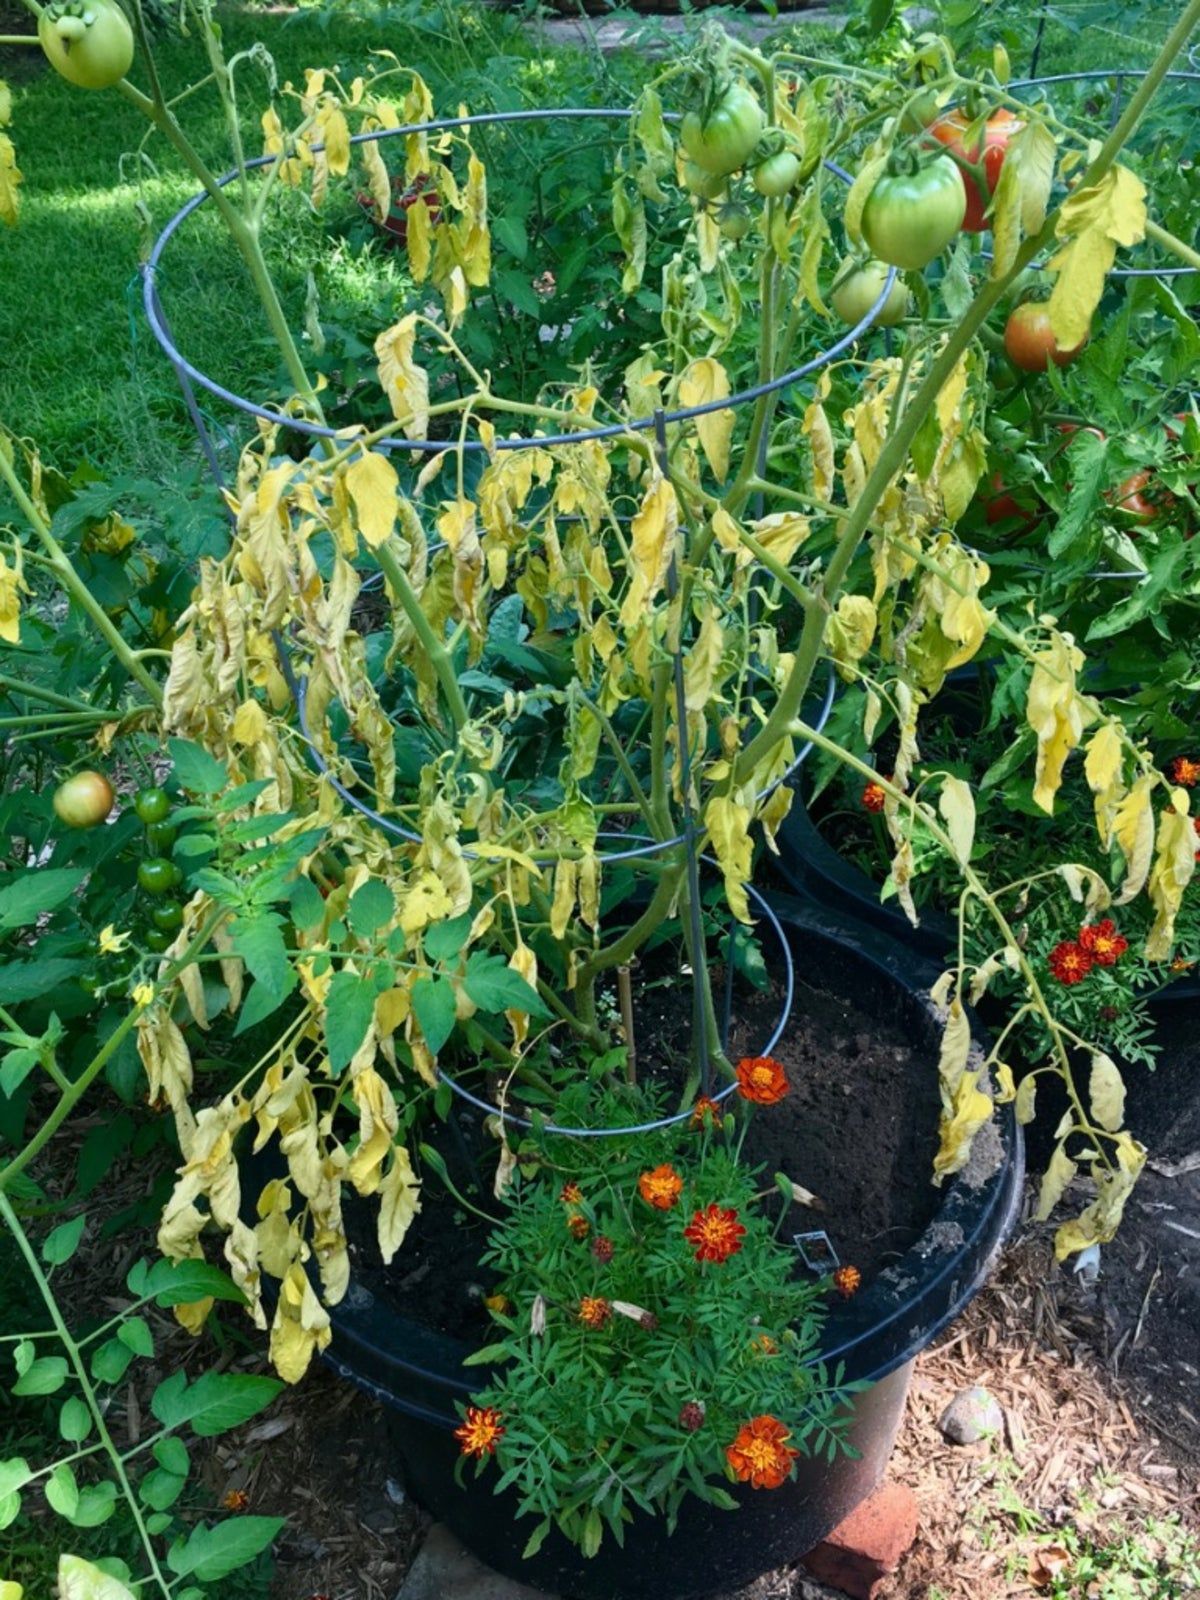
(877, 1335)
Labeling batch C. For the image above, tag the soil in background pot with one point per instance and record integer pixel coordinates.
(859, 1130)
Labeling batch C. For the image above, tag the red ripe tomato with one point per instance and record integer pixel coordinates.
(1029, 340)
(1001, 504)
(1001, 126)
(1129, 498)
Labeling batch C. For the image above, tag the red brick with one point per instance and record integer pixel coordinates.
(862, 1550)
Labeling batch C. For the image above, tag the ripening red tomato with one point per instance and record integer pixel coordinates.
(84, 800)
(1129, 497)
(1000, 127)
(1029, 340)
(1001, 504)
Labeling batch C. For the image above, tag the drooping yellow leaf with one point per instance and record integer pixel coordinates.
(79, 1580)
(418, 238)
(728, 823)
(1106, 1092)
(652, 544)
(1098, 1223)
(703, 381)
(12, 586)
(373, 484)
(1022, 193)
(781, 533)
(1174, 866)
(1102, 766)
(1093, 222)
(404, 382)
(1026, 1106)
(378, 179)
(1054, 1182)
(957, 806)
(969, 1109)
(563, 901)
(1133, 829)
(301, 1326)
(702, 663)
(10, 178)
(850, 633)
(820, 441)
(1055, 712)
(399, 1202)
(955, 1050)
(249, 724)
(335, 135)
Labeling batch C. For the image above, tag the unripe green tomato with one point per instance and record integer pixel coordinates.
(734, 221)
(911, 217)
(705, 185)
(90, 45)
(84, 800)
(152, 805)
(722, 142)
(168, 916)
(160, 836)
(157, 875)
(156, 940)
(858, 286)
(777, 174)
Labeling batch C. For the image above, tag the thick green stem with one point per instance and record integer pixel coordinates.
(60, 564)
(625, 947)
(34, 691)
(423, 628)
(1171, 243)
(75, 1357)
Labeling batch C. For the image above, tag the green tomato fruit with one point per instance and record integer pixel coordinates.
(704, 185)
(84, 800)
(157, 875)
(168, 916)
(911, 217)
(858, 287)
(152, 805)
(734, 220)
(721, 142)
(157, 940)
(88, 42)
(775, 176)
(160, 836)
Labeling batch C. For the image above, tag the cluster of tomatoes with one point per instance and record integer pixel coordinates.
(87, 798)
(730, 136)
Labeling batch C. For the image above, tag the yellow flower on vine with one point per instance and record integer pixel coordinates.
(112, 942)
(143, 995)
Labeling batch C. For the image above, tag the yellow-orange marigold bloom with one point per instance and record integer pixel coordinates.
(716, 1234)
(571, 1194)
(594, 1311)
(874, 796)
(479, 1432)
(764, 1345)
(762, 1080)
(235, 1500)
(578, 1225)
(1185, 770)
(660, 1187)
(846, 1281)
(761, 1455)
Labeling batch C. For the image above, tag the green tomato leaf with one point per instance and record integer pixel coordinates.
(196, 770)
(74, 1420)
(371, 905)
(177, 1283)
(212, 1553)
(493, 985)
(433, 1005)
(62, 1491)
(62, 1243)
(258, 939)
(46, 1376)
(111, 1361)
(216, 1402)
(349, 1010)
(443, 940)
(22, 902)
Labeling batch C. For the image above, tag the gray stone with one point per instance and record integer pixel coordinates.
(972, 1415)
(445, 1571)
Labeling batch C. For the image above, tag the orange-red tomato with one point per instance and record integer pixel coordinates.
(1001, 126)
(1001, 504)
(1029, 340)
(83, 801)
(1129, 498)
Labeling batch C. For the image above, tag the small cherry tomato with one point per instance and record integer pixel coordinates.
(160, 836)
(734, 220)
(168, 916)
(157, 940)
(157, 875)
(911, 217)
(1029, 340)
(1002, 504)
(84, 800)
(776, 175)
(1129, 498)
(152, 805)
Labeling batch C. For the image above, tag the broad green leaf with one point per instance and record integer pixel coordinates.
(160, 1489)
(110, 1361)
(444, 940)
(134, 1333)
(212, 1553)
(258, 939)
(349, 1011)
(30, 980)
(371, 905)
(46, 1376)
(14, 1474)
(307, 906)
(23, 901)
(15, 1068)
(10, 1510)
(494, 986)
(262, 1002)
(74, 1420)
(172, 1456)
(434, 1008)
(62, 1243)
(216, 1402)
(196, 770)
(97, 1502)
(177, 1283)
(62, 1491)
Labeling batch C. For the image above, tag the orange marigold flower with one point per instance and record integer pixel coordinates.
(761, 1079)
(571, 1194)
(765, 1345)
(660, 1187)
(716, 1234)
(761, 1455)
(578, 1226)
(1179, 964)
(874, 797)
(706, 1113)
(1102, 942)
(479, 1432)
(846, 1281)
(1184, 770)
(602, 1248)
(1069, 962)
(236, 1500)
(594, 1311)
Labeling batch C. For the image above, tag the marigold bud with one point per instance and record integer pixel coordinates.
(691, 1415)
(602, 1249)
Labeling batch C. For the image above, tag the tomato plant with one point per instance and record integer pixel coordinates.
(721, 139)
(152, 805)
(89, 42)
(949, 130)
(859, 285)
(84, 800)
(156, 875)
(1029, 340)
(910, 217)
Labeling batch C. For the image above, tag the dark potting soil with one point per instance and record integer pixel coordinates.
(858, 1130)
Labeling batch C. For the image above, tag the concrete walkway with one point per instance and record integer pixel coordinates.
(657, 35)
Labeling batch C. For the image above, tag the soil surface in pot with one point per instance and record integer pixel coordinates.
(858, 1130)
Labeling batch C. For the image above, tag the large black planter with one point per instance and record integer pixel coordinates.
(877, 1335)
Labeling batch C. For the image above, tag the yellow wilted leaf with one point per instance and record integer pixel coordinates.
(970, 1108)
(301, 1327)
(1026, 1106)
(1098, 1223)
(782, 533)
(378, 1120)
(1092, 223)
(563, 903)
(850, 632)
(957, 806)
(1106, 1092)
(955, 1051)
(1102, 766)
(523, 962)
(399, 1202)
(728, 824)
(373, 485)
(78, 1580)
(1174, 864)
(10, 177)
(378, 180)
(702, 664)
(1054, 1183)
(652, 543)
(249, 724)
(405, 384)
(1055, 713)
(1022, 194)
(12, 586)
(335, 135)
(10, 1590)
(418, 239)
(703, 381)
(820, 440)
(1133, 829)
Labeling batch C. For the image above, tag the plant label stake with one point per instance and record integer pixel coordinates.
(816, 1251)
